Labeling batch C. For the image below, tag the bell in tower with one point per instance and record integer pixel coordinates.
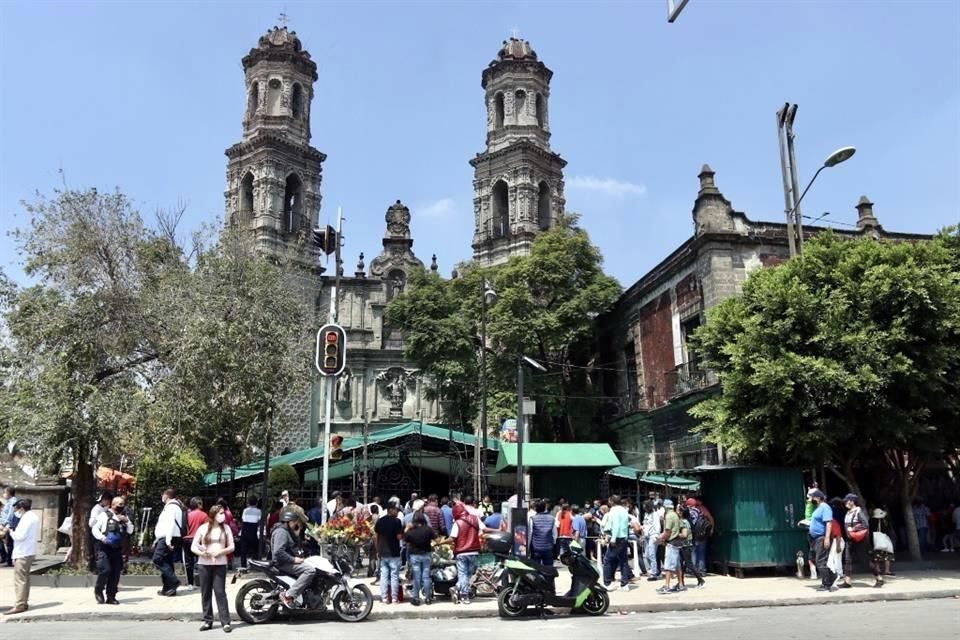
(518, 180)
(273, 174)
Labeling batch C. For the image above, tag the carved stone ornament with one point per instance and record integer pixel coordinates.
(393, 385)
(398, 220)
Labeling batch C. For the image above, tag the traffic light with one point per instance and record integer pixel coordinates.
(336, 441)
(325, 239)
(331, 350)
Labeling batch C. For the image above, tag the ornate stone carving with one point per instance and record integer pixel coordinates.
(393, 383)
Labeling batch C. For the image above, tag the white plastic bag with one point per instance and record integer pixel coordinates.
(882, 542)
(67, 527)
(835, 559)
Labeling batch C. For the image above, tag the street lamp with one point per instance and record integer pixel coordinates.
(487, 297)
(521, 430)
(840, 155)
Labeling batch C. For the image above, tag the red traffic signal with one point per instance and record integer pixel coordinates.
(336, 441)
(331, 355)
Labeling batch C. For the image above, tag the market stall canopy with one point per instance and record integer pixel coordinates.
(550, 454)
(432, 431)
(669, 479)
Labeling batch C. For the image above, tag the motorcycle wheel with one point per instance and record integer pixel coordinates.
(249, 602)
(597, 604)
(508, 610)
(354, 605)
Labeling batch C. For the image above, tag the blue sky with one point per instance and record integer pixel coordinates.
(145, 96)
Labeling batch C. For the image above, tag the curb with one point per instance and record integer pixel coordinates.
(668, 605)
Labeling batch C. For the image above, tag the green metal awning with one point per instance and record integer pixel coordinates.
(670, 480)
(549, 454)
(432, 431)
(624, 472)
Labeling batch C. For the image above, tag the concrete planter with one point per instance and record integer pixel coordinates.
(88, 581)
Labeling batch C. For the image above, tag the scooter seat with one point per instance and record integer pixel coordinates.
(548, 570)
(260, 564)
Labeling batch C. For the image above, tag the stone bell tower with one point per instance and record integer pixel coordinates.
(273, 174)
(518, 180)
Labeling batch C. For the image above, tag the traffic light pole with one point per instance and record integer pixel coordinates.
(331, 380)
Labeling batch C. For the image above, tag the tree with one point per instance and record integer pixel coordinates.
(851, 350)
(283, 477)
(545, 309)
(124, 345)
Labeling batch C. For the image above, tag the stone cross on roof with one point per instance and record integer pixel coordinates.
(283, 20)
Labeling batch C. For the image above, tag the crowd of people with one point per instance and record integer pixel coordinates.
(669, 538)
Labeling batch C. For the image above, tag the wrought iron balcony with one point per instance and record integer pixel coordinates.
(689, 376)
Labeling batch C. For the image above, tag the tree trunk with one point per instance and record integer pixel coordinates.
(909, 524)
(82, 488)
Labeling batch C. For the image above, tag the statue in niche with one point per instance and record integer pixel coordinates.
(343, 387)
(394, 383)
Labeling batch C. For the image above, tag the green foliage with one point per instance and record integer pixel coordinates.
(545, 309)
(126, 346)
(283, 477)
(181, 470)
(853, 348)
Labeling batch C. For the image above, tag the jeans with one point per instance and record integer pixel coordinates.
(420, 564)
(922, 538)
(466, 566)
(615, 556)
(650, 556)
(563, 544)
(700, 556)
(163, 559)
(109, 566)
(389, 579)
(189, 561)
(821, 555)
(304, 574)
(543, 556)
(687, 564)
(213, 581)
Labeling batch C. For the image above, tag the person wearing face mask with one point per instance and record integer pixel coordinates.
(285, 542)
(24, 551)
(109, 530)
(212, 544)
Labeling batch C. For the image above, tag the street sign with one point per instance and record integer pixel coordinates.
(331, 355)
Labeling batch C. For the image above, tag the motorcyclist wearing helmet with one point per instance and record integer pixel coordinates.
(285, 542)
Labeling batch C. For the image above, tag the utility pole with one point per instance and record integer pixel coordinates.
(788, 167)
(521, 433)
(330, 379)
(366, 468)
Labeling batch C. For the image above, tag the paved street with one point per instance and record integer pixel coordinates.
(874, 620)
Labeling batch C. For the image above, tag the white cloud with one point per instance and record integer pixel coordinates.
(607, 186)
(438, 209)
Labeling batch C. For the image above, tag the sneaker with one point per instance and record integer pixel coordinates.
(415, 603)
(99, 598)
(428, 601)
(206, 626)
(677, 588)
(113, 601)
(466, 600)
(701, 584)
(227, 628)
(653, 578)
(823, 588)
(612, 587)
(454, 595)
(878, 584)
(845, 585)
(286, 600)
(664, 589)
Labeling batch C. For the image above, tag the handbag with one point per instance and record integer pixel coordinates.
(882, 542)
(857, 535)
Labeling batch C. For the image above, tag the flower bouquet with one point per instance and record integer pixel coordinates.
(342, 531)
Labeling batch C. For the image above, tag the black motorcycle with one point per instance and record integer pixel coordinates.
(259, 600)
(532, 585)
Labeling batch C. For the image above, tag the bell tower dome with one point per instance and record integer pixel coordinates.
(518, 180)
(273, 174)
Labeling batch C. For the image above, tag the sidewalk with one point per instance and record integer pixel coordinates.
(143, 603)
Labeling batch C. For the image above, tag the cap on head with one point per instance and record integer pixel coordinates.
(691, 502)
(668, 503)
(417, 505)
(816, 493)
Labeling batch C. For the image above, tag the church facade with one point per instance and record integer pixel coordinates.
(274, 179)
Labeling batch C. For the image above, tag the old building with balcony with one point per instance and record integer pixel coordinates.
(643, 341)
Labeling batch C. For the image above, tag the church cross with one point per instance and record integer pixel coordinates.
(283, 20)
(514, 33)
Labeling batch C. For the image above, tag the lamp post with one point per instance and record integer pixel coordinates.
(487, 297)
(521, 424)
(788, 165)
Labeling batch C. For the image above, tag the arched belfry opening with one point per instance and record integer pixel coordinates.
(519, 105)
(274, 89)
(254, 98)
(498, 111)
(296, 101)
(501, 210)
(292, 203)
(543, 206)
(540, 110)
(246, 197)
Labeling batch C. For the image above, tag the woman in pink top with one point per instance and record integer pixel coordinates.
(212, 544)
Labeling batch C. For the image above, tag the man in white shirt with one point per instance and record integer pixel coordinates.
(103, 503)
(24, 551)
(168, 535)
(110, 528)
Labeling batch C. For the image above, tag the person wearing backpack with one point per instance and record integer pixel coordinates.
(109, 531)
(169, 533)
(703, 527)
